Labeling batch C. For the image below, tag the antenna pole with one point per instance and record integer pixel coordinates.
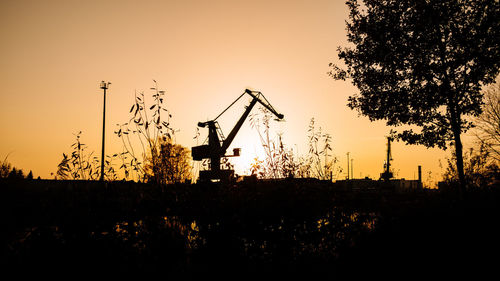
(388, 155)
(352, 169)
(347, 165)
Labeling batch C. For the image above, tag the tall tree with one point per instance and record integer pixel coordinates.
(422, 63)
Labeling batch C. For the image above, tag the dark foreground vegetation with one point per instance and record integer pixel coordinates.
(285, 229)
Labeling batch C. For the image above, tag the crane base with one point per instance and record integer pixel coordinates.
(222, 175)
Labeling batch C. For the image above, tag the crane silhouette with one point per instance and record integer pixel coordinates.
(218, 145)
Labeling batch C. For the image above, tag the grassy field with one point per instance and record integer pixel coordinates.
(285, 229)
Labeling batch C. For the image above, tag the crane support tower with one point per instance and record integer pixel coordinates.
(217, 145)
(387, 174)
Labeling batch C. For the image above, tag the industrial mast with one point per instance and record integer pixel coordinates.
(387, 174)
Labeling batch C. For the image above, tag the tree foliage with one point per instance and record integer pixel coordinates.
(488, 123)
(481, 169)
(7, 171)
(173, 163)
(5, 168)
(421, 63)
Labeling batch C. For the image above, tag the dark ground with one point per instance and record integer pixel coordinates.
(284, 229)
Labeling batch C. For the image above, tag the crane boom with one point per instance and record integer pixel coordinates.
(256, 98)
(227, 142)
(266, 104)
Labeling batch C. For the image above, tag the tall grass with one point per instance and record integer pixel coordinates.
(81, 164)
(282, 162)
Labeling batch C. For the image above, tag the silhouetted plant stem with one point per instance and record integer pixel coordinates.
(154, 135)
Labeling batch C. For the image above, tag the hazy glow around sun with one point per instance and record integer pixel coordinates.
(204, 54)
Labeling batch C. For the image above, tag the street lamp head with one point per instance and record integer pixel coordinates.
(104, 85)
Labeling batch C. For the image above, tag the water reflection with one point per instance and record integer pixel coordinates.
(260, 240)
(180, 240)
(138, 230)
(286, 237)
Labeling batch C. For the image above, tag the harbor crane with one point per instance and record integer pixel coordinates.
(217, 145)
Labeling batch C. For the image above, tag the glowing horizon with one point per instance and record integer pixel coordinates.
(204, 54)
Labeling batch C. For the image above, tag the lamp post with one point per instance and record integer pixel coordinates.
(104, 86)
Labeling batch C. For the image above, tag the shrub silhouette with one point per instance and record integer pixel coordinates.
(172, 165)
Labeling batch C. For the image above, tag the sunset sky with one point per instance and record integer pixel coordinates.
(204, 54)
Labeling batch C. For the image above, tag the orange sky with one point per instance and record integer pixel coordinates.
(203, 53)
